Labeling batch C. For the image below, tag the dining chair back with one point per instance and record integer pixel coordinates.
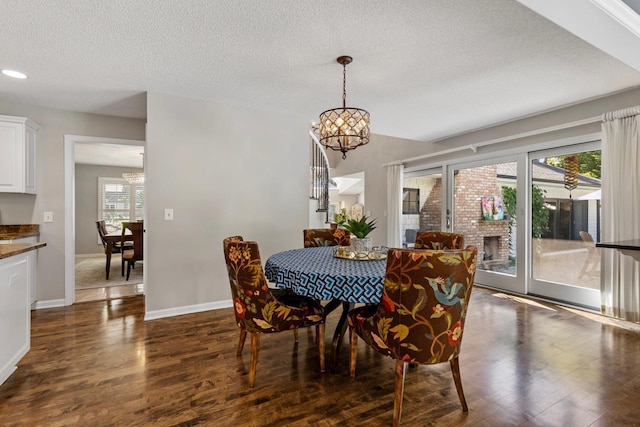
(102, 230)
(421, 316)
(256, 310)
(326, 237)
(136, 253)
(439, 240)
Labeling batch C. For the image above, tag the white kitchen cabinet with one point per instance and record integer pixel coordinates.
(17, 155)
(15, 313)
(32, 264)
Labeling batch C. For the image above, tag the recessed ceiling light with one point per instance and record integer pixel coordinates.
(14, 74)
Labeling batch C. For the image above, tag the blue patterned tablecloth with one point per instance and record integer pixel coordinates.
(314, 272)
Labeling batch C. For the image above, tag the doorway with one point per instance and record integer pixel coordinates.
(81, 211)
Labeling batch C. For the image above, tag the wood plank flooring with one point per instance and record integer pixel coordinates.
(523, 363)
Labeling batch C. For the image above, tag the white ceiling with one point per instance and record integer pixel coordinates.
(424, 69)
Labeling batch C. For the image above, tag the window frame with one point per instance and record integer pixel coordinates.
(411, 203)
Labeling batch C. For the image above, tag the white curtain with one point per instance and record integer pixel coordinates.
(394, 205)
(620, 279)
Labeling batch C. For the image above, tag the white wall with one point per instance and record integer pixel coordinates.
(28, 209)
(86, 197)
(225, 171)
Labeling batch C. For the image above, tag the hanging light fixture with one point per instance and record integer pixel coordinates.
(134, 177)
(344, 128)
(571, 171)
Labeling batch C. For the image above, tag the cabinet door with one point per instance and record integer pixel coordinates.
(30, 161)
(11, 157)
(15, 316)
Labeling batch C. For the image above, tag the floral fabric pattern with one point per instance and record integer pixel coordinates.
(438, 240)
(421, 316)
(326, 237)
(256, 309)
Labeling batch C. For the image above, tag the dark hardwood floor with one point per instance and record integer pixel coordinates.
(522, 363)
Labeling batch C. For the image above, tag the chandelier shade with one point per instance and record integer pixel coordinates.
(344, 128)
(134, 177)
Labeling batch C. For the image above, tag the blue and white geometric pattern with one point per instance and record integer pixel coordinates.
(316, 273)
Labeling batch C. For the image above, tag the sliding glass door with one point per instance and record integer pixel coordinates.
(484, 198)
(534, 218)
(565, 222)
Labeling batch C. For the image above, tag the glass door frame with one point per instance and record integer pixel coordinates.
(512, 283)
(589, 298)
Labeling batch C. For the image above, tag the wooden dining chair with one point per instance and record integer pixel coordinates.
(136, 253)
(421, 317)
(325, 237)
(438, 240)
(116, 246)
(256, 309)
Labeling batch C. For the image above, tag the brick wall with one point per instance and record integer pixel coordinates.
(470, 186)
(431, 211)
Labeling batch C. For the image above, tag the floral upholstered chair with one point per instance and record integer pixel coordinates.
(421, 317)
(256, 309)
(439, 240)
(326, 237)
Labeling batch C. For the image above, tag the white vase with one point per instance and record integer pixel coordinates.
(361, 244)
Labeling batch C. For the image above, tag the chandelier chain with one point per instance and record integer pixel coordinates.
(344, 86)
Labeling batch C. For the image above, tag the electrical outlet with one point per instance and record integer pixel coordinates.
(168, 214)
(48, 217)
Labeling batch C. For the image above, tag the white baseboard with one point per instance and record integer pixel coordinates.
(48, 304)
(188, 309)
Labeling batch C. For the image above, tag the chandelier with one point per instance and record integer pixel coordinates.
(344, 128)
(134, 177)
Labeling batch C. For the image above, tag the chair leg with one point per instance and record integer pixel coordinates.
(255, 343)
(455, 370)
(128, 269)
(122, 268)
(295, 334)
(401, 369)
(243, 335)
(320, 338)
(108, 266)
(353, 351)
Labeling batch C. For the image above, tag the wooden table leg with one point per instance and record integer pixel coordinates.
(338, 335)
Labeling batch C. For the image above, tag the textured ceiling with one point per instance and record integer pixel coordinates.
(424, 69)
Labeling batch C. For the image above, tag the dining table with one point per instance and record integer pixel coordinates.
(626, 247)
(315, 272)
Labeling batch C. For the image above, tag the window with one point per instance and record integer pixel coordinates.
(119, 201)
(410, 201)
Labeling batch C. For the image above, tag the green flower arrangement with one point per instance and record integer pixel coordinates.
(341, 217)
(360, 227)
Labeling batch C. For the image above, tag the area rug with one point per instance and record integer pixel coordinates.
(90, 272)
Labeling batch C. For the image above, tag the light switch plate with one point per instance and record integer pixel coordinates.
(48, 217)
(168, 214)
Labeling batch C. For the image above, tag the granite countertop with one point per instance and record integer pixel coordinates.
(7, 251)
(10, 232)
